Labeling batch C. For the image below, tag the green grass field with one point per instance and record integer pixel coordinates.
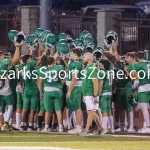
(73, 141)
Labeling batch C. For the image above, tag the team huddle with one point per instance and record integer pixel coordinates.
(73, 86)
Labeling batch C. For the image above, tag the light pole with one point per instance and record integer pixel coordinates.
(45, 14)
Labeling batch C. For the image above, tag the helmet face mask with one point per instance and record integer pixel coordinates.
(50, 41)
(16, 36)
(97, 55)
(110, 39)
(20, 38)
(32, 41)
(88, 49)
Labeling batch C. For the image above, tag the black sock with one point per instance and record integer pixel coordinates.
(40, 120)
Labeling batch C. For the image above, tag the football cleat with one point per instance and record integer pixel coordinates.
(30, 129)
(5, 126)
(131, 129)
(102, 132)
(75, 131)
(84, 132)
(144, 130)
(45, 130)
(39, 129)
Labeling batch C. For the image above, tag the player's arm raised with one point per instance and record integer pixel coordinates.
(16, 57)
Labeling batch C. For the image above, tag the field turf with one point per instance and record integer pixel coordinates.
(74, 141)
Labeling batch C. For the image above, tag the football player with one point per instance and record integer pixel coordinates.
(105, 91)
(74, 83)
(5, 90)
(53, 94)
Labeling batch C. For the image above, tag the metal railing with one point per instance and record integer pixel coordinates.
(133, 31)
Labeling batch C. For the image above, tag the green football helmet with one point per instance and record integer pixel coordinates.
(44, 35)
(64, 36)
(84, 34)
(50, 40)
(89, 44)
(32, 41)
(98, 53)
(110, 39)
(78, 43)
(12, 35)
(38, 32)
(62, 48)
(16, 36)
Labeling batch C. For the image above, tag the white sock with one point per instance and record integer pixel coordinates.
(5, 116)
(109, 124)
(69, 120)
(144, 124)
(136, 122)
(18, 119)
(22, 124)
(46, 126)
(9, 112)
(34, 126)
(111, 121)
(146, 117)
(105, 122)
(78, 127)
(65, 123)
(74, 119)
(130, 115)
(60, 126)
(30, 124)
(10, 121)
(144, 108)
(126, 122)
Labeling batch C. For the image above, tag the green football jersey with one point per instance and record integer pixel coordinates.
(91, 72)
(51, 76)
(75, 67)
(142, 69)
(4, 65)
(28, 74)
(13, 81)
(107, 78)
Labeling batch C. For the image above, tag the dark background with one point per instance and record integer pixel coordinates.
(68, 4)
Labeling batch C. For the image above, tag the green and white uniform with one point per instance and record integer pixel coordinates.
(52, 87)
(31, 93)
(144, 84)
(74, 68)
(5, 91)
(91, 72)
(106, 95)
